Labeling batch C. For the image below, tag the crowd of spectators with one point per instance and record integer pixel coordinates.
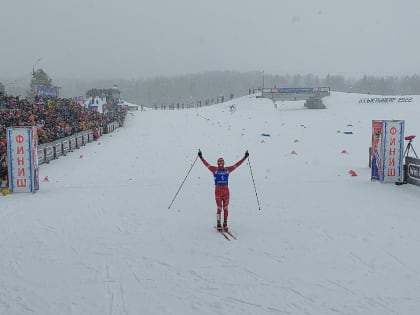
(55, 118)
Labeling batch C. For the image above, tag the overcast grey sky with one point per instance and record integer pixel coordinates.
(146, 38)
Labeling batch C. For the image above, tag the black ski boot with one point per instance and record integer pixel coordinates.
(225, 227)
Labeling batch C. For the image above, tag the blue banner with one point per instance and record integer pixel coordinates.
(296, 90)
(42, 90)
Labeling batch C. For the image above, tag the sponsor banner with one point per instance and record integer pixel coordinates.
(66, 146)
(78, 99)
(23, 159)
(376, 157)
(298, 90)
(34, 149)
(79, 141)
(124, 105)
(49, 153)
(413, 170)
(41, 155)
(42, 90)
(72, 143)
(58, 149)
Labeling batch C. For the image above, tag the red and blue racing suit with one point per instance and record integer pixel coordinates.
(221, 187)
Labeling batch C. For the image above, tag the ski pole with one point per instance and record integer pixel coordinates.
(183, 182)
(253, 181)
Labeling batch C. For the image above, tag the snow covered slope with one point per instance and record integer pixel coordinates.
(98, 238)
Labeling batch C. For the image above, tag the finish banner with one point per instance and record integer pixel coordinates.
(387, 150)
(23, 159)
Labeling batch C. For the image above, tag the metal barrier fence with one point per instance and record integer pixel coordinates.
(53, 150)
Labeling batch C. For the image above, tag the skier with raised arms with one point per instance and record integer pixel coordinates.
(221, 191)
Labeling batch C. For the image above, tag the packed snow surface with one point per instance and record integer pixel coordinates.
(99, 236)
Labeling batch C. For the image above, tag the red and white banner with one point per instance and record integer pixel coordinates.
(393, 143)
(23, 159)
(387, 150)
(376, 157)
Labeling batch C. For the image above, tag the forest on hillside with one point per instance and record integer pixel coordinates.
(191, 88)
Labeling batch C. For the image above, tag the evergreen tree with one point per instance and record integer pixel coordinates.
(39, 77)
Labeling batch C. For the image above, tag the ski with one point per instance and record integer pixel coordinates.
(222, 232)
(230, 234)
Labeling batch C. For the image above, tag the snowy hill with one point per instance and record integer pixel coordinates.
(98, 238)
